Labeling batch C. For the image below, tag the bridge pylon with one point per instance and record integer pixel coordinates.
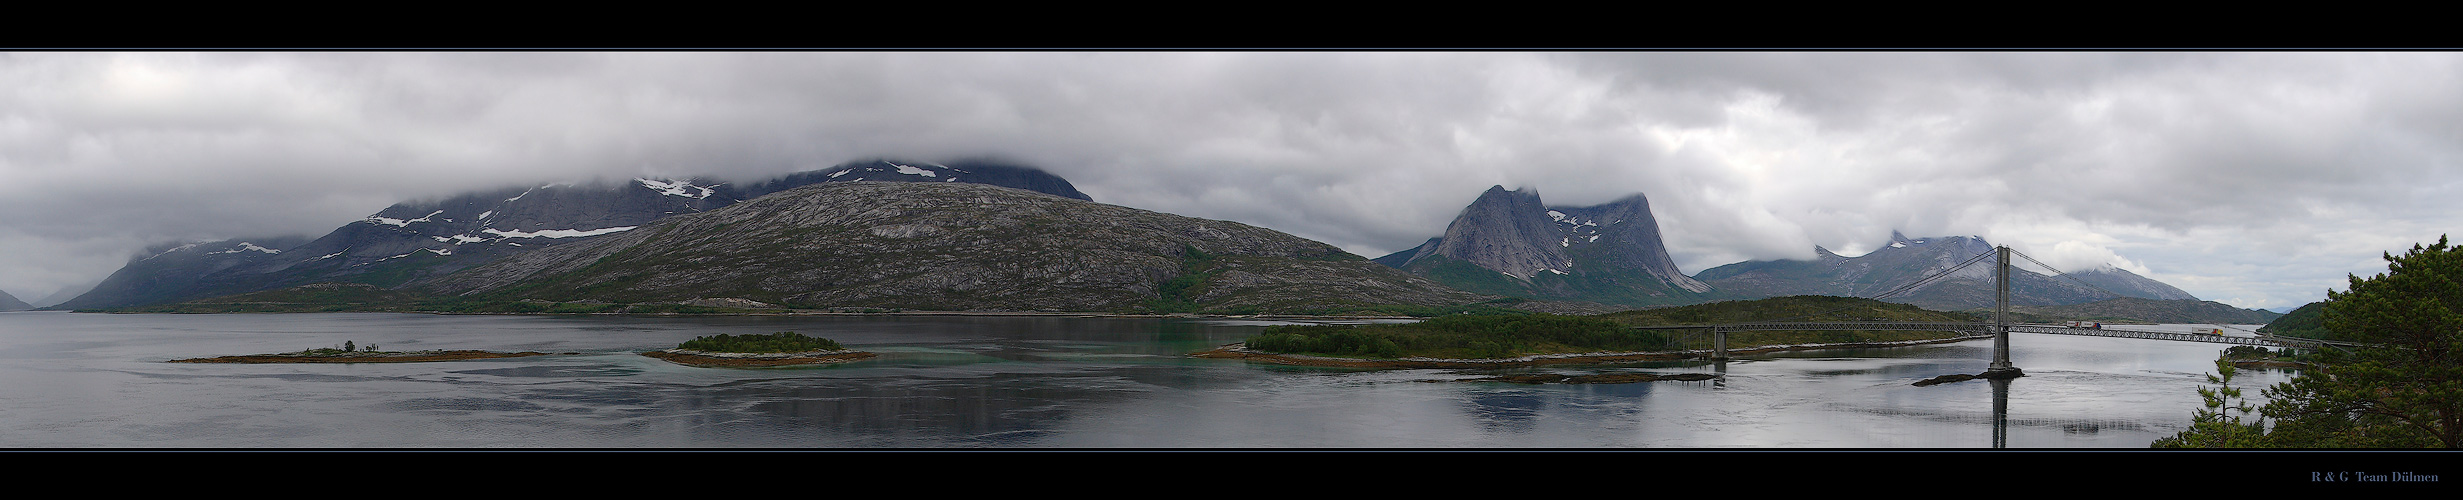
(2001, 367)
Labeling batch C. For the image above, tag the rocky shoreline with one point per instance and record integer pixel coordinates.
(2269, 363)
(1241, 351)
(706, 359)
(362, 357)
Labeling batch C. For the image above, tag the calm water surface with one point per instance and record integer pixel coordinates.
(99, 380)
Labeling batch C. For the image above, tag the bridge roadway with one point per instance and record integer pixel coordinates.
(1719, 340)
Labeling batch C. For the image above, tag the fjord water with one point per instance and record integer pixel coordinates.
(100, 380)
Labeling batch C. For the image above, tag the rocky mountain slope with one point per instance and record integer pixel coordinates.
(1906, 260)
(950, 246)
(175, 272)
(10, 303)
(419, 240)
(1509, 243)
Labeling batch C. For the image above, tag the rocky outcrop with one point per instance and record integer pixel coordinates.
(1509, 243)
(1505, 231)
(951, 246)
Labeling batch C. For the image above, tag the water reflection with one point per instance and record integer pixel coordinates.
(956, 381)
(2001, 410)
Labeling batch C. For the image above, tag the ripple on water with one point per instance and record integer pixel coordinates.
(461, 405)
(556, 371)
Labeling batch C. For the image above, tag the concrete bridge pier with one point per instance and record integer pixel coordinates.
(1719, 343)
(2001, 369)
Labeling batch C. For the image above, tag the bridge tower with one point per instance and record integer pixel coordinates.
(2001, 368)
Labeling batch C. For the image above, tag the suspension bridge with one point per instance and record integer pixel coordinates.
(2000, 328)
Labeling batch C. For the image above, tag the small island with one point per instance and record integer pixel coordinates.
(349, 353)
(1489, 341)
(758, 351)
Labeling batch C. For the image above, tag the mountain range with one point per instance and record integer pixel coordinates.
(1905, 260)
(1507, 242)
(993, 236)
(420, 240)
(950, 247)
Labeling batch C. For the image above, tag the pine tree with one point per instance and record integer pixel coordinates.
(2216, 426)
(2407, 389)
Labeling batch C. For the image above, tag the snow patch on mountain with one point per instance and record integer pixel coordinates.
(903, 169)
(247, 247)
(677, 188)
(400, 222)
(173, 249)
(555, 233)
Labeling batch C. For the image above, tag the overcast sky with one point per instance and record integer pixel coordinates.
(2253, 179)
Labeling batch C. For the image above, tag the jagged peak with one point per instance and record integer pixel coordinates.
(1500, 191)
(1636, 197)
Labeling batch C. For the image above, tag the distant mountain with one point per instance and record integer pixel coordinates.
(1906, 260)
(1509, 243)
(950, 246)
(63, 295)
(10, 303)
(970, 171)
(421, 240)
(175, 272)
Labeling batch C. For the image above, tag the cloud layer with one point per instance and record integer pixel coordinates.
(2254, 179)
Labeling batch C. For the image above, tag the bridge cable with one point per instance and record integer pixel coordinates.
(1910, 286)
(2058, 272)
(1935, 277)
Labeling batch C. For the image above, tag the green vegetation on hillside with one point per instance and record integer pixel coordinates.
(1602, 283)
(1179, 293)
(1468, 277)
(1493, 307)
(1462, 336)
(1800, 308)
(776, 342)
(2309, 322)
(320, 297)
(1794, 308)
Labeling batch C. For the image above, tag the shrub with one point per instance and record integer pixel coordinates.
(776, 342)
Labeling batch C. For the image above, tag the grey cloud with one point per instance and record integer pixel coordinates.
(2146, 157)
